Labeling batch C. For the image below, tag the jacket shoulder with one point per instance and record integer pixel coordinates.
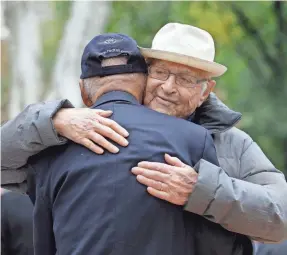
(230, 146)
(233, 136)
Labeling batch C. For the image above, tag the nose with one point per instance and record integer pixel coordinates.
(169, 86)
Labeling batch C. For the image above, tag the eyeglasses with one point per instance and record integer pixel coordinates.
(181, 79)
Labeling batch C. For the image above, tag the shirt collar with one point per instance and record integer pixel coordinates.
(116, 96)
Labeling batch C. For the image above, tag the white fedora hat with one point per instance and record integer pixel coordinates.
(187, 45)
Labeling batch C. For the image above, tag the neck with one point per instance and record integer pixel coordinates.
(133, 89)
(138, 96)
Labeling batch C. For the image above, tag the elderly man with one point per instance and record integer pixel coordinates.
(246, 194)
(108, 211)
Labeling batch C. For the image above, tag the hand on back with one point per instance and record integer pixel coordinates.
(173, 181)
(90, 128)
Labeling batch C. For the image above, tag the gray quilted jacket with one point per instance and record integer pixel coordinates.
(247, 194)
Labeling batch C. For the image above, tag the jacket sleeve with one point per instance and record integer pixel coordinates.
(209, 151)
(4, 226)
(255, 204)
(26, 135)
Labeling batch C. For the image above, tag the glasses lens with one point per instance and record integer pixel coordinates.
(186, 80)
(158, 73)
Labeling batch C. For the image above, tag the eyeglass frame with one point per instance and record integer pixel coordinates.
(176, 75)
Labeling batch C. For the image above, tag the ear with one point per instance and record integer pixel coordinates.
(84, 94)
(210, 84)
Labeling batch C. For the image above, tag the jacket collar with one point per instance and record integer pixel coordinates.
(216, 116)
(113, 96)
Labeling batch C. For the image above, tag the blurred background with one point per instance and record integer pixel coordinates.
(42, 42)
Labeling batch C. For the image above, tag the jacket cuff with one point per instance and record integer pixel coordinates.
(204, 189)
(45, 125)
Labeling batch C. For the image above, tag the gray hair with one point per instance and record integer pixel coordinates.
(203, 87)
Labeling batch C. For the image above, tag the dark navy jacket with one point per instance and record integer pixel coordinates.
(16, 224)
(91, 204)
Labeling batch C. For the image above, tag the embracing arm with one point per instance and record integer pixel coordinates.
(38, 127)
(254, 205)
(24, 136)
(29, 133)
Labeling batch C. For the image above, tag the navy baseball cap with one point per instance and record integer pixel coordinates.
(108, 46)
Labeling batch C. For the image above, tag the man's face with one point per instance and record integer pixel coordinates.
(177, 96)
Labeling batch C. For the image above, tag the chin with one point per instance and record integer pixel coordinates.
(162, 110)
(159, 108)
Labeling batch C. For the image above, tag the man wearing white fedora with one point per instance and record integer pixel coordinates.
(246, 194)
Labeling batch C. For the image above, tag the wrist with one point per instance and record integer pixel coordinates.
(58, 120)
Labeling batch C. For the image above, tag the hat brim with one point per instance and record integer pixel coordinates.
(214, 69)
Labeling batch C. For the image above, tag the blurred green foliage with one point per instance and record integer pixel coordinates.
(251, 40)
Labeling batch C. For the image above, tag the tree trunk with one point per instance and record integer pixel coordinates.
(87, 19)
(25, 52)
(4, 29)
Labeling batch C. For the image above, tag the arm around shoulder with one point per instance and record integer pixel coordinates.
(252, 204)
(29, 133)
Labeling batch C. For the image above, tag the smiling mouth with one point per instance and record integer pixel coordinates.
(163, 101)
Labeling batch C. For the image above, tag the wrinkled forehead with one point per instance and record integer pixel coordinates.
(177, 68)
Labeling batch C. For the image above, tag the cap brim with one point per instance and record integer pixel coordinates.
(214, 69)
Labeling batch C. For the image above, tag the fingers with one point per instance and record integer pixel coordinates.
(104, 113)
(154, 175)
(166, 196)
(174, 161)
(90, 145)
(103, 142)
(158, 193)
(152, 183)
(110, 133)
(115, 126)
(161, 167)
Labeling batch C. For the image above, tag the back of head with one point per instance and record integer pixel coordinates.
(112, 62)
